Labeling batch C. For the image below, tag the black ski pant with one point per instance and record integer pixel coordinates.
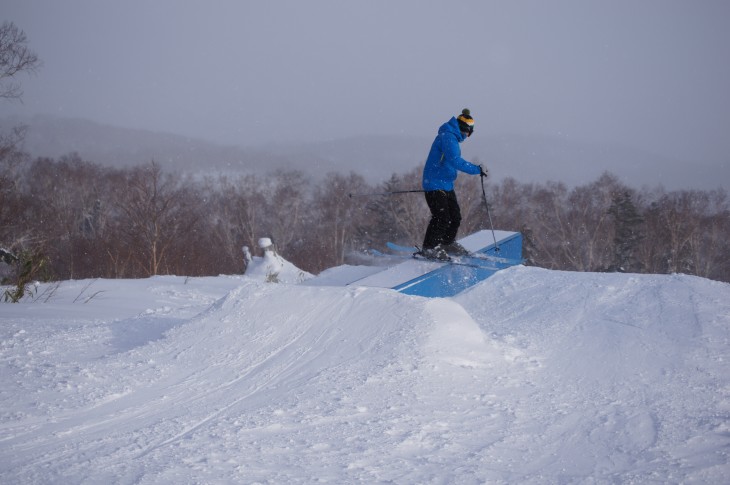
(445, 218)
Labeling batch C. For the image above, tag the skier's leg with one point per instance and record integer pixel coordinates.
(454, 218)
(438, 227)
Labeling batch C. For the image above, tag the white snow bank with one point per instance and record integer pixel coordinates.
(532, 376)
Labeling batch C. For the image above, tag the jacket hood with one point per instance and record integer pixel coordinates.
(452, 126)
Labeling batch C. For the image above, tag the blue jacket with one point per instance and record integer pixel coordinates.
(444, 159)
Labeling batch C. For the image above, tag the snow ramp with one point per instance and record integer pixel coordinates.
(262, 362)
(531, 377)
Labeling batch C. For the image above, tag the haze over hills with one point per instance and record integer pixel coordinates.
(527, 158)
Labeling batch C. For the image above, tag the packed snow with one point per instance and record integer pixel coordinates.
(530, 377)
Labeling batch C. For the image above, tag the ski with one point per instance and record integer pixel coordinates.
(481, 256)
(414, 253)
(401, 249)
(380, 254)
(453, 261)
(402, 256)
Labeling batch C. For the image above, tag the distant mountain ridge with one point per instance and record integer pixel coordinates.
(376, 159)
(525, 158)
(121, 147)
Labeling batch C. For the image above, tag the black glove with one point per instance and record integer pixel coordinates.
(482, 171)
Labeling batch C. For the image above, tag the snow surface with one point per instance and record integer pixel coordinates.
(530, 377)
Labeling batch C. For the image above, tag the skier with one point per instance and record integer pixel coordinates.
(439, 174)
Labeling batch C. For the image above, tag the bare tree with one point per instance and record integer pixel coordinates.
(547, 218)
(571, 229)
(511, 208)
(153, 216)
(713, 256)
(338, 217)
(11, 197)
(79, 220)
(15, 57)
(689, 233)
(237, 214)
(589, 225)
(285, 211)
(681, 221)
(400, 217)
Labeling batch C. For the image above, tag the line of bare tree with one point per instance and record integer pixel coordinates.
(75, 219)
(70, 218)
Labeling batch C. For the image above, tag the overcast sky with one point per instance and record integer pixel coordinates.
(650, 74)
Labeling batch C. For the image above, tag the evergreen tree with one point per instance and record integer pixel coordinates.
(628, 233)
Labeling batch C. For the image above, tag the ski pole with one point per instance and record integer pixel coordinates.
(484, 194)
(392, 192)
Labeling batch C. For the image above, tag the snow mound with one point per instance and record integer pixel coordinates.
(272, 268)
(532, 376)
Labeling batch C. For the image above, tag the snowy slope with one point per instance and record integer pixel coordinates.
(532, 376)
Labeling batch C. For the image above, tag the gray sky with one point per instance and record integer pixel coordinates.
(650, 74)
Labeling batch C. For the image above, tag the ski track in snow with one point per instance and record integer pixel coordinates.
(532, 376)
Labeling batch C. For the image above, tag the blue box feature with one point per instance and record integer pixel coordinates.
(450, 278)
